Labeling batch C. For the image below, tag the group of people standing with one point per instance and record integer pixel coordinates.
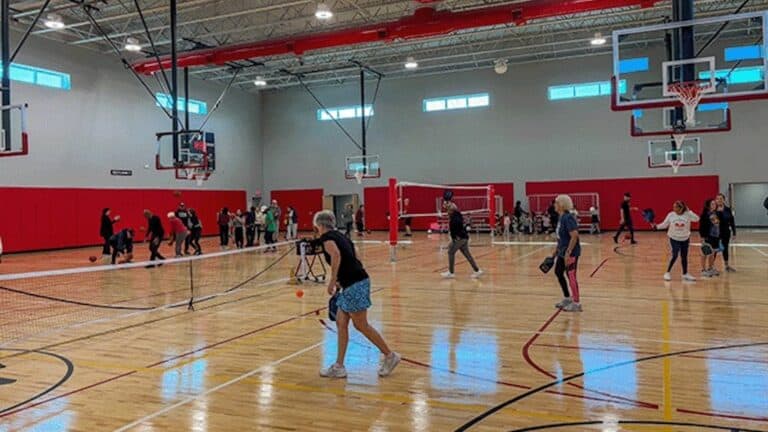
(247, 228)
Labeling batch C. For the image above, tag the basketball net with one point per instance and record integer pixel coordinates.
(679, 140)
(359, 176)
(689, 94)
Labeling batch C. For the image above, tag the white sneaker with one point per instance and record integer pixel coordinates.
(447, 275)
(667, 276)
(572, 307)
(477, 274)
(334, 371)
(689, 278)
(389, 364)
(564, 302)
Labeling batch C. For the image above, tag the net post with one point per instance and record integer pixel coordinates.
(394, 218)
(492, 210)
(191, 305)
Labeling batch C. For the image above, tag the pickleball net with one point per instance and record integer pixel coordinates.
(36, 303)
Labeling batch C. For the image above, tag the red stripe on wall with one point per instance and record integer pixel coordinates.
(657, 193)
(422, 201)
(54, 218)
(306, 202)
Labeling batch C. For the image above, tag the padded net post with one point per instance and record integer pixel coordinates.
(492, 209)
(393, 217)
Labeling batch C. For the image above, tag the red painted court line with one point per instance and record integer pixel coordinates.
(529, 360)
(69, 393)
(116, 377)
(599, 267)
(571, 347)
(722, 415)
(503, 383)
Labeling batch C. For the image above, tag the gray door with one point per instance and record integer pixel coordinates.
(748, 201)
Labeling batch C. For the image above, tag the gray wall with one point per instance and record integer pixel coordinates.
(748, 204)
(521, 137)
(108, 121)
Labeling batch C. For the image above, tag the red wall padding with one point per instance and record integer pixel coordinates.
(53, 218)
(306, 202)
(658, 193)
(422, 200)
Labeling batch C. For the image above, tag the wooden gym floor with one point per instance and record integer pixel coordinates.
(487, 355)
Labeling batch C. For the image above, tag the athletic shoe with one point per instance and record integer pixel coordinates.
(447, 275)
(714, 272)
(616, 240)
(564, 302)
(572, 307)
(334, 371)
(667, 276)
(633, 242)
(689, 278)
(477, 274)
(730, 269)
(389, 364)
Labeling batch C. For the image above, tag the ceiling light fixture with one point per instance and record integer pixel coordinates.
(132, 44)
(598, 39)
(323, 12)
(260, 82)
(411, 63)
(500, 66)
(54, 21)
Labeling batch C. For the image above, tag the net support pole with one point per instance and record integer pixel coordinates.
(492, 210)
(394, 217)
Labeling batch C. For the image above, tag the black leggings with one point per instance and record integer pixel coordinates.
(726, 241)
(154, 249)
(106, 249)
(194, 239)
(239, 237)
(629, 226)
(224, 235)
(679, 248)
(560, 272)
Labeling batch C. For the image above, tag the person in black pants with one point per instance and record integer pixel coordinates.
(224, 220)
(727, 229)
(250, 227)
(183, 215)
(626, 219)
(155, 234)
(107, 231)
(195, 231)
(554, 217)
(122, 244)
(459, 242)
(348, 217)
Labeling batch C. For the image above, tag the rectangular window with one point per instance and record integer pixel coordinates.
(584, 90)
(195, 106)
(745, 75)
(344, 113)
(746, 52)
(456, 102)
(39, 76)
(632, 65)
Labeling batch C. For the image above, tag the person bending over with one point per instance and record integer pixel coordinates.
(122, 244)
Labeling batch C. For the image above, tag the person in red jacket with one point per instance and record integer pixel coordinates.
(178, 233)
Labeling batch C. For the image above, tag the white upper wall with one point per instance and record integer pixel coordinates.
(108, 121)
(521, 137)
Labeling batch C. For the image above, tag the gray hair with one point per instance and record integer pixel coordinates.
(325, 219)
(565, 202)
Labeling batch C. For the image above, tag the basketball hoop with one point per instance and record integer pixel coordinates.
(689, 94)
(359, 176)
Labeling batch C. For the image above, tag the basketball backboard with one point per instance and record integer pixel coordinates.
(14, 141)
(728, 56)
(663, 152)
(196, 149)
(360, 167)
(711, 117)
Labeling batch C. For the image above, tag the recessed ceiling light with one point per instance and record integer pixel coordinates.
(132, 44)
(323, 12)
(54, 21)
(598, 39)
(411, 63)
(500, 66)
(259, 82)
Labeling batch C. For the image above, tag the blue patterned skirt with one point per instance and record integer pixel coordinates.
(356, 297)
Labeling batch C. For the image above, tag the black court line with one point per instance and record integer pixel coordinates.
(466, 426)
(698, 426)
(65, 378)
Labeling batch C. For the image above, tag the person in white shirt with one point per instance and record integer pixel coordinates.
(678, 224)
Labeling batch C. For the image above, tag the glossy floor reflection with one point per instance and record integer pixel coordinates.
(487, 355)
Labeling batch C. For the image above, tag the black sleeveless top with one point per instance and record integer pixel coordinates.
(351, 269)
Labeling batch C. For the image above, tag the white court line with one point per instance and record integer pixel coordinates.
(761, 252)
(217, 388)
(523, 243)
(746, 245)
